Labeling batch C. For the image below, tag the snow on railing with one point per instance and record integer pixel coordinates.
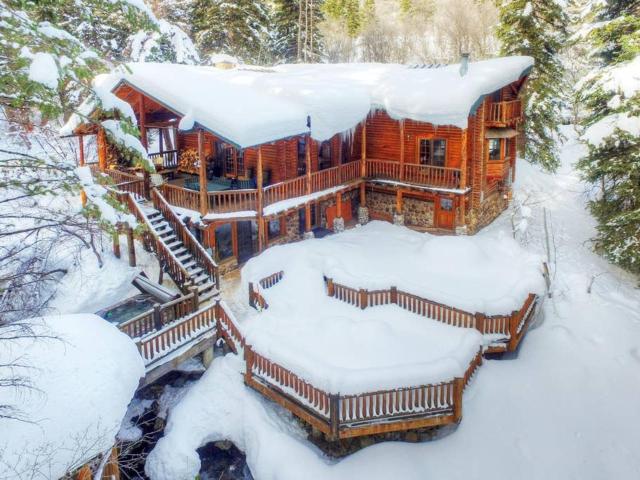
(510, 327)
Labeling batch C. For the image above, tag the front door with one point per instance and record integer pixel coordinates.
(247, 238)
(445, 213)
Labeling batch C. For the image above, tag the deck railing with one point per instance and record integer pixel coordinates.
(172, 336)
(165, 160)
(158, 316)
(383, 169)
(229, 201)
(228, 328)
(202, 258)
(295, 187)
(510, 327)
(443, 177)
(181, 197)
(504, 112)
(343, 416)
(256, 300)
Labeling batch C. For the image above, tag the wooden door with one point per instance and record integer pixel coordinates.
(247, 240)
(445, 215)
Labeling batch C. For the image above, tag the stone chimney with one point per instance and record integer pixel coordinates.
(464, 64)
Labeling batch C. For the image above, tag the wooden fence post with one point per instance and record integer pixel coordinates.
(248, 358)
(252, 300)
(157, 316)
(334, 415)
(363, 298)
(131, 245)
(116, 242)
(394, 295)
(330, 287)
(480, 324)
(458, 388)
(196, 300)
(514, 320)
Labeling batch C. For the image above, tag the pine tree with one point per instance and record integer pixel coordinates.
(240, 28)
(612, 133)
(537, 28)
(296, 33)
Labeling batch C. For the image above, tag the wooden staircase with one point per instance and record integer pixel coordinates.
(195, 274)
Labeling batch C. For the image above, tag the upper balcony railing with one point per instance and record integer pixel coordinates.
(504, 113)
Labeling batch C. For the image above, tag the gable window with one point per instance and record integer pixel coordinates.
(324, 155)
(495, 145)
(433, 152)
(302, 156)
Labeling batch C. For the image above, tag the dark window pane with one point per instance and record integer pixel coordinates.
(494, 149)
(223, 242)
(324, 155)
(446, 204)
(302, 158)
(425, 151)
(274, 228)
(439, 152)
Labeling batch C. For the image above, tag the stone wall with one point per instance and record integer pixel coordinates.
(352, 195)
(487, 212)
(418, 213)
(292, 230)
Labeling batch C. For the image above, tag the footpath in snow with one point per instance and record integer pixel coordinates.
(564, 408)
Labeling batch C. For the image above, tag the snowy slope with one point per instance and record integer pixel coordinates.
(83, 372)
(565, 408)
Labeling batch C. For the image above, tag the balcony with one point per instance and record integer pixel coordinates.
(502, 114)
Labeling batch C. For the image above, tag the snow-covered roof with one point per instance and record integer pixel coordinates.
(249, 106)
(83, 373)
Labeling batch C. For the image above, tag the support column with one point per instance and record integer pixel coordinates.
(338, 221)
(401, 149)
(307, 158)
(363, 211)
(398, 218)
(204, 207)
(131, 246)
(261, 229)
(143, 120)
(101, 141)
(462, 227)
(308, 233)
(81, 150)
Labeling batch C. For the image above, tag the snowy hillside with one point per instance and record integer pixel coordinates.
(561, 409)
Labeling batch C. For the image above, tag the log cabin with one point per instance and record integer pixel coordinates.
(259, 156)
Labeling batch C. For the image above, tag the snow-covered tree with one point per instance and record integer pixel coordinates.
(538, 28)
(239, 28)
(612, 131)
(296, 30)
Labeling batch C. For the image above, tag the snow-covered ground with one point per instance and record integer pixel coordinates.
(78, 391)
(565, 408)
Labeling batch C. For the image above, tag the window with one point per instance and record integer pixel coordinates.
(302, 157)
(224, 247)
(233, 161)
(494, 149)
(433, 152)
(275, 228)
(446, 204)
(229, 168)
(324, 155)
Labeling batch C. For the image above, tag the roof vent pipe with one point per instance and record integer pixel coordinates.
(464, 64)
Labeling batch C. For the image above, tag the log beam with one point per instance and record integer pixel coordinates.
(259, 180)
(307, 158)
(81, 150)
(202, 174)
(401, 149)
(101, 141)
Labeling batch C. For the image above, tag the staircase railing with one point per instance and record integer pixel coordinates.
(202, 258)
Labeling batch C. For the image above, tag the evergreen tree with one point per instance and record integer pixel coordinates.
(612, 132)
(537, 28)
(240, 28)
(296, 34)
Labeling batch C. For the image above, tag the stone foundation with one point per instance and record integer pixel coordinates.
(363, 215)
(292, 231)
(308, 235)
(398, 219)
(488, 211)
(338, 224)
(416, 212)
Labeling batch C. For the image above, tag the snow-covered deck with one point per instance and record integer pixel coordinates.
(352, 371)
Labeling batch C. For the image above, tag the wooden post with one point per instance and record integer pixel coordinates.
(394, 295)
(196, 299)
(248, 358)
(307, 158)
(101, 141)
(157, 316)
(112, 469)
(161, 139)
(307, 217)
(463, 176)
(330, 287)
(458, 388)
(252, 296)
(363, 298)
(131, 246)
(261, 229)
(143, 120)
(204, 207)
(399, 202)
(514, 320)
(363, 150)
(480, 323)
(339, 205)
(401, 149)
(334, 415)
(83, 198)
(116, 243)
(81, 150)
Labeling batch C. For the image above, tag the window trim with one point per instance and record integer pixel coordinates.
(431, 139)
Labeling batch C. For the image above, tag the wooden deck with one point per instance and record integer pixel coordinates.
(368, 413)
